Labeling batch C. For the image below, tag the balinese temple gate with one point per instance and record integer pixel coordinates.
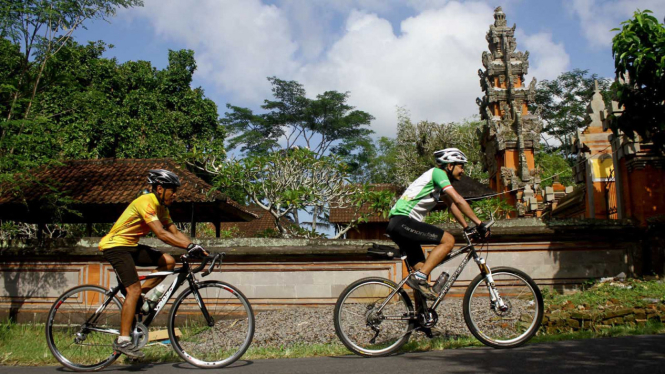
(511, 133)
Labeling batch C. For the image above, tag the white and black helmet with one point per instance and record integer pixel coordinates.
(450, 156)
(163, 177)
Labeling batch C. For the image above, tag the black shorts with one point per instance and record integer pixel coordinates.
(125, 260)
(409, 234)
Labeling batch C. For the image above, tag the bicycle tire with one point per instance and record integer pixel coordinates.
(199, 344)
(513, 327)
(364, 295)
(67, 336)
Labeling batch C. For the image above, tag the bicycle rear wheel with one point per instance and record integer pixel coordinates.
(363, 329)
(221, 341)
(79, 333)
(515, 323)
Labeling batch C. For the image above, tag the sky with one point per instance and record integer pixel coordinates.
(422, 55)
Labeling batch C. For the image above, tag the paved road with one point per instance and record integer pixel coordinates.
(635, 354)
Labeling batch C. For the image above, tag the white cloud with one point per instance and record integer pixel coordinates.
(428, 66)
(237, 43)
(598, 17)
(547, 59)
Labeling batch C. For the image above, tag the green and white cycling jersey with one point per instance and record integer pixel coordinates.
(422, 195)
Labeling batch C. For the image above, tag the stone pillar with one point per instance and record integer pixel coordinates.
(598, 172)
(639, 170)
(511, 133)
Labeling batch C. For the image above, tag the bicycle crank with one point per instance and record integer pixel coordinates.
(428, 319)
(140, 335)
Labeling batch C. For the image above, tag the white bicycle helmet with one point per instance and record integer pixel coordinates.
(163, 177)
(450, 156)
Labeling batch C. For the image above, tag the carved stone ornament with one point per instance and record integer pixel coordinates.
(508, 177)
(499, 17)
(506, 115)
(521, 209)
(487, 60)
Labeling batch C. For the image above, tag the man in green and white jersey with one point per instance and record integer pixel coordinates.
(407, 229)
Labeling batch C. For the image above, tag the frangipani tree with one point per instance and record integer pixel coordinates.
(286, 181)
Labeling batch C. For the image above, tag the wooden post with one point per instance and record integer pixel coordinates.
(218, 228)
(88, 229)
(40, 231)
(193, 221)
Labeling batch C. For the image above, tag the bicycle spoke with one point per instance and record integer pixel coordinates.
(223, 342)
(73, 346)
(365, 330)
(508, 323)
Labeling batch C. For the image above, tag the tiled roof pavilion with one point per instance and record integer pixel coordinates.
(102, 189)
(265, 221)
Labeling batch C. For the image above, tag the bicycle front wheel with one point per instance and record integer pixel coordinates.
(80, 331)
(216, 341)
(508, 324)
(366, 330)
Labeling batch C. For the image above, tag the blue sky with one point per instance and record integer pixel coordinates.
(419, 54)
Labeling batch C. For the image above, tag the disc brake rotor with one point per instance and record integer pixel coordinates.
(502, 311)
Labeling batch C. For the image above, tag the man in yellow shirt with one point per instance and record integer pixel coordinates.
(121, 247)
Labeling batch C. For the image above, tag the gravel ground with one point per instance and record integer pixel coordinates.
(295, 326)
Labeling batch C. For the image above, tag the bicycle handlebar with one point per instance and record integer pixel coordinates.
(475, 234)
(204, 261)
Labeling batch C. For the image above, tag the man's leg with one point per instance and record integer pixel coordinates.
(165, 262)
(129, 308)
(123, 264)
(437, 255)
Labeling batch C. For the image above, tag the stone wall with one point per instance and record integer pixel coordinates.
(275, 273)
(562, 319)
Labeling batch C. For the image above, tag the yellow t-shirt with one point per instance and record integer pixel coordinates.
(133, 223)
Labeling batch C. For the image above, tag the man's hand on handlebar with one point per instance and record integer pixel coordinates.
(484, 229)
(479, 231)
(196, 251)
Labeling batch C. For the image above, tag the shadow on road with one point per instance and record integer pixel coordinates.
(628, 354)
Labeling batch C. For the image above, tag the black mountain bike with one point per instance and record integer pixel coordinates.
(211, 324)
(503, 307)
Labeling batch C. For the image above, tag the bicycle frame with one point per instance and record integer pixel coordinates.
(471, 253)
(184, 274)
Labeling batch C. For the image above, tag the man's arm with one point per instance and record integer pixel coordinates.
(174, 230)
(462, 205)
(171, 237)
(455, 211)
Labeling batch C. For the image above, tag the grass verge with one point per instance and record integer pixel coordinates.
(25, 345)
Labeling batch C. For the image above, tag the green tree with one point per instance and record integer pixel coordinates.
(43, 28)
(416, 144)
(325, 124)
(551, 162)
(562, 104)
(375, 162)
(639, 60)
(92, 107)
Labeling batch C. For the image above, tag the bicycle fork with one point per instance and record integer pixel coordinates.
(495, 297)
